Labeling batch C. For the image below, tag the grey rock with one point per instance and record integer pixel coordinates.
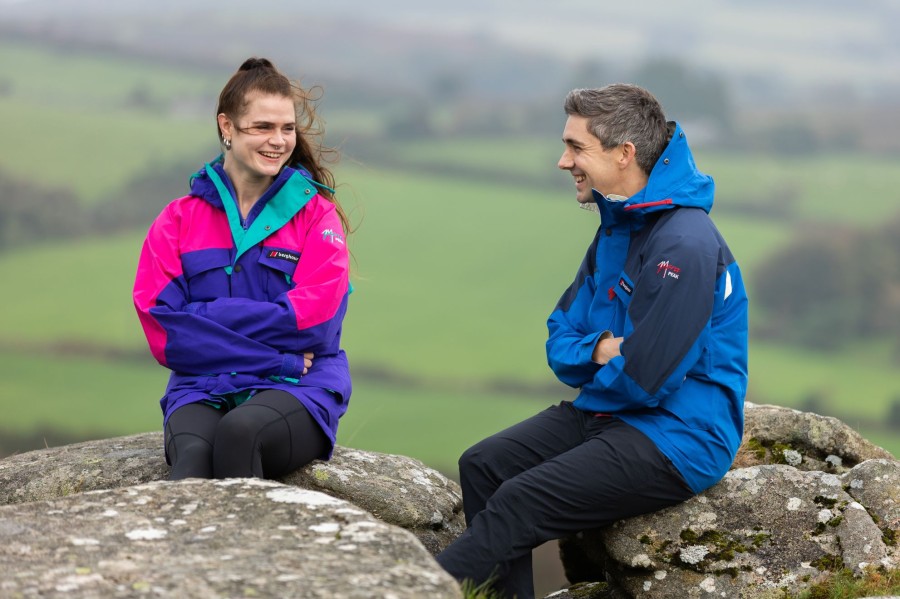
(807, 495)
(396, 489)
(93, 465)
(209, 539)
(808, 441)
(875, 484)
(760, 530)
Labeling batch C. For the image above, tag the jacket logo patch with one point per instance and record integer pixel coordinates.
(625, 286)
(332, 236)
(665, 269)
(284, 255)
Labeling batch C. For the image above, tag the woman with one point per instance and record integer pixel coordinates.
(241, 289)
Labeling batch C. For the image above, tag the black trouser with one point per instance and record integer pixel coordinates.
(559, 472)
(268, 436)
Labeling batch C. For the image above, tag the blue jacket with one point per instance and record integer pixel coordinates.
(659, 274)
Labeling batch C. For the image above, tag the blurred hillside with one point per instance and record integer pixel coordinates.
(790, 77)
(801, 47)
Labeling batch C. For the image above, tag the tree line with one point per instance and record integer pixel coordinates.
(831, 286)
(32, 212)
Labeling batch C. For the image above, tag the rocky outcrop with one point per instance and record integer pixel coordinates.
(804, 440)
(808, 496)
(396, 489)
(203, 539)
(393, 488)
(61, 471)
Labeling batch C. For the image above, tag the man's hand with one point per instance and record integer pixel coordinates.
(307, 361)
(606, 349)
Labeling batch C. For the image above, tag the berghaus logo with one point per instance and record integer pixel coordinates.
(284, 255)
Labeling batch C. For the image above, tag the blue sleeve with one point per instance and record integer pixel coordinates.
(571, 341)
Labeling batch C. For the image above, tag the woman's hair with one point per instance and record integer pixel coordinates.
(260, 75)
(622, 112)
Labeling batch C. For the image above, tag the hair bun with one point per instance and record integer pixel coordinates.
(256, 63)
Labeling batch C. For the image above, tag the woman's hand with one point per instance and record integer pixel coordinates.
(307, 361)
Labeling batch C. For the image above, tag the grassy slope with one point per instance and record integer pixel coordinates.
(81, 395)
(73, 111)
(834, 188)
(83, 291)
(93, 154)
(95, 398)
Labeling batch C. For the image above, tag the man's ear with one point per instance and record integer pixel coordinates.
(628, 155)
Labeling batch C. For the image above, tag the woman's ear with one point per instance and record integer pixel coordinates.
(225, 126)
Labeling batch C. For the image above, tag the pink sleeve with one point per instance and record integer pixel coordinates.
(158, 266)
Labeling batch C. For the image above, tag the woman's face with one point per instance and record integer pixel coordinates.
(262, 138)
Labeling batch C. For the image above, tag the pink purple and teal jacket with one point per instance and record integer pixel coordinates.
(231, 304)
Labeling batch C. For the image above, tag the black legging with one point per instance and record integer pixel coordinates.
(268, 436)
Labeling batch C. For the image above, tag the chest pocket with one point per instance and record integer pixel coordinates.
(623, 290)
(204, 272)
(277, 270)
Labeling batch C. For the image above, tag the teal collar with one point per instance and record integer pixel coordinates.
(287, 202)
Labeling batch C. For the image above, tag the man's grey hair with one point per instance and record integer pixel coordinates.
(623, 112)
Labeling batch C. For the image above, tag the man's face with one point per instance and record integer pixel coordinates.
(592, 166)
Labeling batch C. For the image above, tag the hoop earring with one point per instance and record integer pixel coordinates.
(227, 143)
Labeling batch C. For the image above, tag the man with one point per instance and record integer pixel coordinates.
(653, 333)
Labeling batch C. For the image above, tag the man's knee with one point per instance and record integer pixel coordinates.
(479, 458)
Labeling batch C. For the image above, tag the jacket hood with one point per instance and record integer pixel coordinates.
(674, 181)
(203, 187)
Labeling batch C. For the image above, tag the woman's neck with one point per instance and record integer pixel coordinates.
(248, 189)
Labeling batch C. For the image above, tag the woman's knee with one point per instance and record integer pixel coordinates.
(236, 430)
(190, 456)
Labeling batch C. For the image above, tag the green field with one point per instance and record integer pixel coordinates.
(94, 398)
(83, 395)
(454, 275)
(94, 153)
(414, 314)
(839, 188)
